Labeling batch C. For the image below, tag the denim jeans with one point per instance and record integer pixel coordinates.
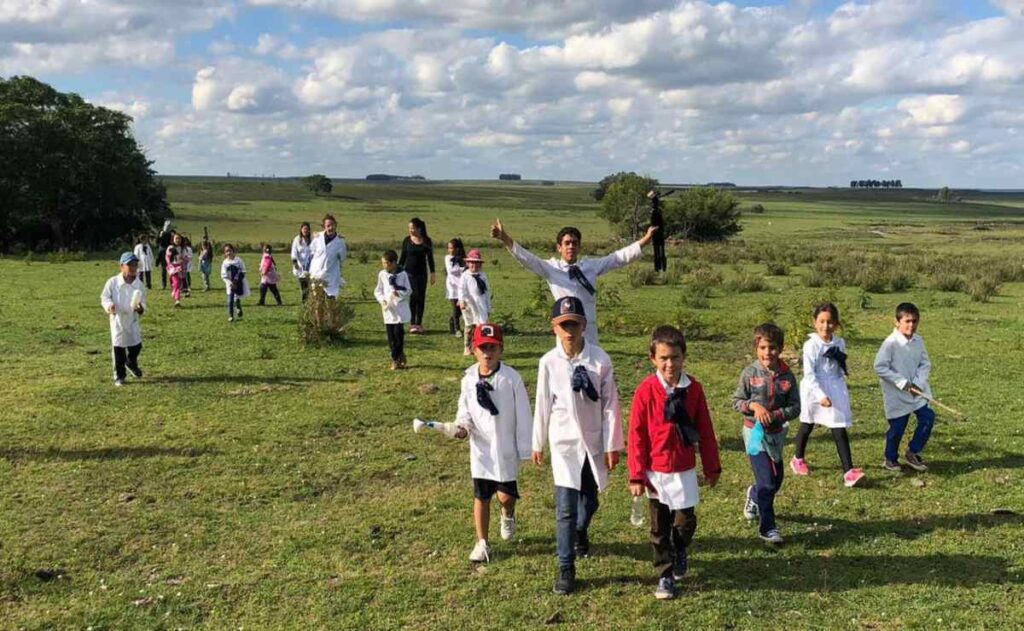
(573, 511)
(898, 425)
(767, 482)
(233, 301)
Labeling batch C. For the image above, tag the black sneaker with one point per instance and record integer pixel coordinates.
(582, 544)
(135, 371)
(680, 565)
(566, 582)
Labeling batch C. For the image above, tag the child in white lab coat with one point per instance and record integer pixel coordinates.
(124, 300)
(474, 296)
(392, 292)
(577, 415)
(232, 270)
(454, 266)
(494, 411)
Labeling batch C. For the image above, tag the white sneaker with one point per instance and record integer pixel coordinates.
(508, 527)
(481, 552)
(773, 537)
(118, 383)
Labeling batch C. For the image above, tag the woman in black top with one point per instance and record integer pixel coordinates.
(418, 260)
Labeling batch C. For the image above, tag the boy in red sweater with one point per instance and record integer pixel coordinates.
(668, 422)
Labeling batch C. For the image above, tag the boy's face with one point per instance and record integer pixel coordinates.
(488, 356)
(569, 248)
(389, 266)
(569, 332)
(475, 266)
(768, 353)
(670, 362)
(824, 325)
(329, 227)
(129, 271)
(229, 253)
(907, 325)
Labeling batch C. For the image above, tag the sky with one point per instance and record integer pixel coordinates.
(800, 93)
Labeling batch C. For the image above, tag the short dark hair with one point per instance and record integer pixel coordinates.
(227, 245)
(907, 308)
(326, 217)
(769, 331)
(668, 335)
(390, 256)
(831, 308)
(570, 230)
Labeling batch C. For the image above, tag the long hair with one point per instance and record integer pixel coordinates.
(421, 227)
(305, 224)
(460, 250)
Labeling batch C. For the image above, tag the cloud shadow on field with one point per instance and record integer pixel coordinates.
(102, 453)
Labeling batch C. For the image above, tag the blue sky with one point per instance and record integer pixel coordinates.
(798, 92)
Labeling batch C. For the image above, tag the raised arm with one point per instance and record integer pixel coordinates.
(527, 259)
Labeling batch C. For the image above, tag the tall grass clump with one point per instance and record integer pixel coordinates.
(945, 281)
(746, 282)
(642, 276)
(983, 287)
(322, 320)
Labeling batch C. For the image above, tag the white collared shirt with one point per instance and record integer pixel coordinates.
(496, 443)
(144, 252)
(453, 274)
(394, 303)
(326, 262)
(124, 322)
(478, 305)
(901, 361)
(302, 253)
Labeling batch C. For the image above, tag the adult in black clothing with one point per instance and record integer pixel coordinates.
(418, 261)
(163, 241)
(658, 221)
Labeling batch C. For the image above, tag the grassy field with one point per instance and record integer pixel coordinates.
(248, 482)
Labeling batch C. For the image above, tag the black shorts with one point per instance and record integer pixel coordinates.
(485, 489)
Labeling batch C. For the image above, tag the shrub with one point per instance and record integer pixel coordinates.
(756, 209)
(703, 214)
(363, 256)
(64, 256)
(693, 325)
(901, 281)
(704, 277)
(777, 268)
(698, 297)
(982, 288)
(872, 279)
(747, 282)
(944, 281)
(507, 322)
(610, 296)
(677, 269)
(322, 320)
(641, 276)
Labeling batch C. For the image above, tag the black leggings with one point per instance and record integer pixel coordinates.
(454, 321)
(660, 258)
(263, 293)
(396, 341)
(418, 299)
(839, 435)
(147, 277)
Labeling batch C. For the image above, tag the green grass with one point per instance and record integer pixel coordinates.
(249, 482)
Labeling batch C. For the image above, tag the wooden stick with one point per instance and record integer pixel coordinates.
(942, 405)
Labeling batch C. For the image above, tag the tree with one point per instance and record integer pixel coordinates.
(625, 204)
(703, 214)
(944, 194)
(606, 182)
(71, 173)
(318, 183)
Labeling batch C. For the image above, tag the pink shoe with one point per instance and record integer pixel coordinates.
(852, 477)
(799, 466)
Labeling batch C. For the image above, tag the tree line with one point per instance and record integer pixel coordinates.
(876, 183)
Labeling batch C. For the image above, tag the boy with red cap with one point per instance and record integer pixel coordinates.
(494, 412)
(474, 296)
(668, 422)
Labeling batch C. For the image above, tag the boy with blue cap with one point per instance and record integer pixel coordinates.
(124, 300)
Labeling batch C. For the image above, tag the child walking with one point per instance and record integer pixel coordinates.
(474, 296)
(768, 397)
(824, 397)
(577, 416)
(175, 269)
(903, 368)
(232, 270)
(668, 422)
(268, 276)
(144, 252)
(206, 262)
(494, 411)
(124, 300)
(186, 257)
(392, 292)
(454, 266)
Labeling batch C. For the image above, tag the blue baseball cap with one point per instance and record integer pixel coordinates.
(568, 308)
(128, 257)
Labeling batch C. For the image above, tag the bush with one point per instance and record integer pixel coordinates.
(705, 277)
(697, 297)
(944, 281)
(982, 288)
(322, 320)
(676, 272)
(777, 268)
(747, 282)
(872, 279)
(693, 325)
(756, 209)
(901, 281)
(703, 214)
(642, 276)
(610, 296)
(625, 206)
(65, 257)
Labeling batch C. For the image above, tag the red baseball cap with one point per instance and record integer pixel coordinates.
(488, 334)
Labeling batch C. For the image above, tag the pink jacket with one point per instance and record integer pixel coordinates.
(268, 270)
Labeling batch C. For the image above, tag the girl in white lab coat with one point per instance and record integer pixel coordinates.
(144, 252)
(232, 270)
(392, 292)
(494, 411)
(474, 296)
(824, 397)
(302, 256)
(454, 266)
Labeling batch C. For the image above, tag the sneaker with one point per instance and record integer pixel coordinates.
(892, 465)
(135, 371)
(239, 313)
(118, 383)
(508, 527)
(680, 565)
(457, 333)
(914, 461)
(750, 506)
(177, 303)
(467, 352)
(565, 584)
(402, 362)
(799, 466)
(582, 544)
(666, 588)
(773, 537)
(852, 477)
(481, 552)
(393, 365)
(230, 319)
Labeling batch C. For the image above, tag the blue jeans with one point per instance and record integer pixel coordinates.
(573, 511)
(233, 300)
(768, 476)
(897, 426)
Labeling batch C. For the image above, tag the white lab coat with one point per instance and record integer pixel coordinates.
(824, 378)
(326, 262)
(452, 275)
(124, 323)
(187, 256)
(478, 305)
(144, 252)
(575, 428)
(496, 443)
(901, 361)
(302, 253)
(556, 272)
(246, 292)
(394, 304)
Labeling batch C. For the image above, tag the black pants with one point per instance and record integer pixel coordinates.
(304, 287)
(455, 321)
(263, 293)
(418, 298)
(163, 277)
(126, 356)
(839, 435)
(147, 277)
(768, 476)
(188, 283)
(396, 340)
(660, 259)
(671, 533)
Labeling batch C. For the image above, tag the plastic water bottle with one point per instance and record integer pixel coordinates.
(754, 445)
(636, 514)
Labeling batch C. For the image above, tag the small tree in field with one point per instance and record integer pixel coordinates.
(625, 204)
(703, 214)
(318, 183)
(323, 320)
